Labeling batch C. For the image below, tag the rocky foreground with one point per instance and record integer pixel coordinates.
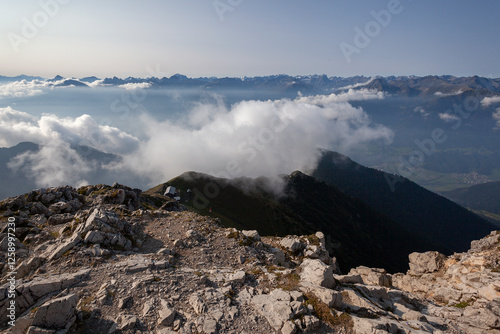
(106, 259)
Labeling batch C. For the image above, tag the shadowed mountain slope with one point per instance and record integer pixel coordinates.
(424, 213)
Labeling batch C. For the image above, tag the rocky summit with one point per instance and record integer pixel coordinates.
(110, 259)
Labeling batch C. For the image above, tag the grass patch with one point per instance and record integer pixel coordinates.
(462, 305)
(313, 240)
(325, 314)
(288, 282)
(233, 235)
(230, 294)
(246, 242)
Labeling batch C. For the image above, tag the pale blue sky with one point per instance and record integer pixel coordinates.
(256, 37)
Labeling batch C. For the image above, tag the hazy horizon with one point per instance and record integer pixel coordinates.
(254, 38)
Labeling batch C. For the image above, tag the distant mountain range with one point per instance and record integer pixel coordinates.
(439, 86)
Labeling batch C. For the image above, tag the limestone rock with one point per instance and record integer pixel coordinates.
(294, 245)
(60, 218)
(56, 313)
(428, 262)
(372, 276)
(317, 273)
(277, 312)
(166, 314)
(252, 234)
(237, 278)
(56, 251)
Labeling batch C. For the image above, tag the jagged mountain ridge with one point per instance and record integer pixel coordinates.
(311, 84)
(104, 259)
(356, 234)
(424, 213)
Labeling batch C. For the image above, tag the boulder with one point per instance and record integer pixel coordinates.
(372, 276)
(277, 312)
(210, 326)
(485, 243)
(57, 313)
(317, 273)
(60, 207)
(60, 218)
(128, 322)
(94, 237)
(28, 266)
(292, 244)
(237, 278)
(252, 234)
(56, 251)
(197, 304)
(330, 297)
(428, 262)
(166, 314)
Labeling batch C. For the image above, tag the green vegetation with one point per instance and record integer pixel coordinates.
(313, 240)
(288, 282)
(462, 304)
(233, 235)
(324, 313)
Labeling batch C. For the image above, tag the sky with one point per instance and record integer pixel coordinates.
(248, 37)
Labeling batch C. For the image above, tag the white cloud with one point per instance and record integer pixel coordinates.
(25, 88)
(457, 92)
(488, 101)
(54, 164)
(17, 126)
(96, 83)
(350, 95)
(496, 117)
(22, 88)
(447, 117)
(254, 138)
(58, 162)
(361, 84)
(131, 86)
(422, 111)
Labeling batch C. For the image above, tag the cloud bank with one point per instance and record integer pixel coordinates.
(488, 101)
(441, 94)
(255, 138)
(22, 88)
(139, 85)
(251, 138)
(17, 126)
(447, 117)
(58, 162)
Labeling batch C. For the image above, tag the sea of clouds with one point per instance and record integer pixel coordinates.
(249, 138)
